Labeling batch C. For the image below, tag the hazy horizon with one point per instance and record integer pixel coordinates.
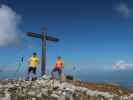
(95, 36)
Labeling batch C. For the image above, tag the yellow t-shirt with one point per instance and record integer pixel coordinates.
(33, 61)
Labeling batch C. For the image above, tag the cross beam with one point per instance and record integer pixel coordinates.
(43, 38)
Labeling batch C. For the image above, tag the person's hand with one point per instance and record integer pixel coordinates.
(63, 67)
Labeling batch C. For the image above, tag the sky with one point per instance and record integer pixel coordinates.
(95, 35)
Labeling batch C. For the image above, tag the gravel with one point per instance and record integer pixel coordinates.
(46, 89)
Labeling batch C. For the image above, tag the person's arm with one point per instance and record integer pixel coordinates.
(62, 64)
(55, 65)
(38, 62)
(29, 60)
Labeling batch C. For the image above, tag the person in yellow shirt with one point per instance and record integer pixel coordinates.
(59, 65)
(32, 63)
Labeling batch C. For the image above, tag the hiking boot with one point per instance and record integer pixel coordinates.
(34, 78)
(52, 78)
(27, 79)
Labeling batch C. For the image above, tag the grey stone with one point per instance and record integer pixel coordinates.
(49, 89)
(31, 93)
(55, 96)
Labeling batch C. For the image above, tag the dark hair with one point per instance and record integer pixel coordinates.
(34, 53)
(59, 57)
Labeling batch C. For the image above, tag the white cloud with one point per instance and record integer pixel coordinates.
(124, 10)
(9, 22)
(122, 65)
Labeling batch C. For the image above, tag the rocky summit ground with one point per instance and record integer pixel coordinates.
(46, 89)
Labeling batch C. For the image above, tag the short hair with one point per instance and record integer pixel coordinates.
(34, 53)
(59, 57)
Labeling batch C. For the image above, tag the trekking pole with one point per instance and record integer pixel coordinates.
(18, 67)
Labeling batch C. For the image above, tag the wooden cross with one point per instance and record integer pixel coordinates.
(43, 38)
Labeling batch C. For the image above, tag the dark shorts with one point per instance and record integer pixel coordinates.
(59, 70)
(31, 69)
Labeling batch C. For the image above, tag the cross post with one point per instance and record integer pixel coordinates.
(43, 38)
